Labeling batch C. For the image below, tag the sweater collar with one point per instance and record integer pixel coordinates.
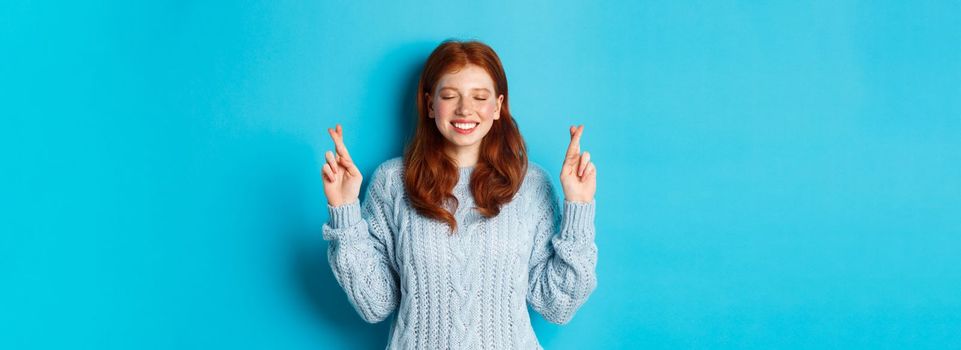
(464, 174)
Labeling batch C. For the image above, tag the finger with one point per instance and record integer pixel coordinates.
(573, 149)
(349, 166)
(333, 134)
(585, 159)
(338, 136)
(590, 172)
(331, 160)
(342, 152)
(328, 173)
(571, 145)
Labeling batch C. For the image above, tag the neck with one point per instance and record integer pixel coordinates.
(464, 156)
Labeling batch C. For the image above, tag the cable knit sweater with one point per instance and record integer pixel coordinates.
(467, 290)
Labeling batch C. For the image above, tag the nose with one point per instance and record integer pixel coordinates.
(463, 108)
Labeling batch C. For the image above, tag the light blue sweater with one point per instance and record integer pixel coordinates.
(467, 290)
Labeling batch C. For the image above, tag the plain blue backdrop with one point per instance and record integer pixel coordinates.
(771, 174)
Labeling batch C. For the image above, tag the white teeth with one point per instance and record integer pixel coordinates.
(465, 126)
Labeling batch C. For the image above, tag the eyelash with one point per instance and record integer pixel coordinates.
(450, 97)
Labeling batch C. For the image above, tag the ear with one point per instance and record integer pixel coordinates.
(497, 112)
(430, 106)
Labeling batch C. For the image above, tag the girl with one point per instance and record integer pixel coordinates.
(460, 233)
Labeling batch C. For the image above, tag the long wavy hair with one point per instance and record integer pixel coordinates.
(430, 174)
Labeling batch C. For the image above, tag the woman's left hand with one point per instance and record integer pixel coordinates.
(578, 175)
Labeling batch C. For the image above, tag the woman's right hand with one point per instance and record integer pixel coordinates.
(341, 177)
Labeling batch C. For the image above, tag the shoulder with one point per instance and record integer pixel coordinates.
(389, 174)
(537, 181)
(393, 166)
(536, 174)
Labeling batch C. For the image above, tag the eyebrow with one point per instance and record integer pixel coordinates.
(450, 88)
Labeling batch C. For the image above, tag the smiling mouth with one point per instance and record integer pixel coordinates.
(465, 126)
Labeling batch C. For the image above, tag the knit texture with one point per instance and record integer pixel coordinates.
(468, 290)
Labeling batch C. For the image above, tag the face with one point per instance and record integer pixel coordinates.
(464, 106)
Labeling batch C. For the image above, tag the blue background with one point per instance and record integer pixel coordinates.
(771, 175)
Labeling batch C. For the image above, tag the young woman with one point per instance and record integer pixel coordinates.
(460, 233)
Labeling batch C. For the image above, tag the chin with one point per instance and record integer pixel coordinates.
(462, 140)
(463, 143)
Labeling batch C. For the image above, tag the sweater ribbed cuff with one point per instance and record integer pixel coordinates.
(344, 215)
(578, 221)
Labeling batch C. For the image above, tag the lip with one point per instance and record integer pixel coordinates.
(463, 132)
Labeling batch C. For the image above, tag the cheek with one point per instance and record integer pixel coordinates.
(486, 109)
(444, 109)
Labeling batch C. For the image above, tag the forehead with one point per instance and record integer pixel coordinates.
(467, 78)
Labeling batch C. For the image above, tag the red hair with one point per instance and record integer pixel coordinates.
(430, 174)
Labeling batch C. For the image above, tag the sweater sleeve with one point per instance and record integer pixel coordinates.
(564, 257)
(360, 251)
